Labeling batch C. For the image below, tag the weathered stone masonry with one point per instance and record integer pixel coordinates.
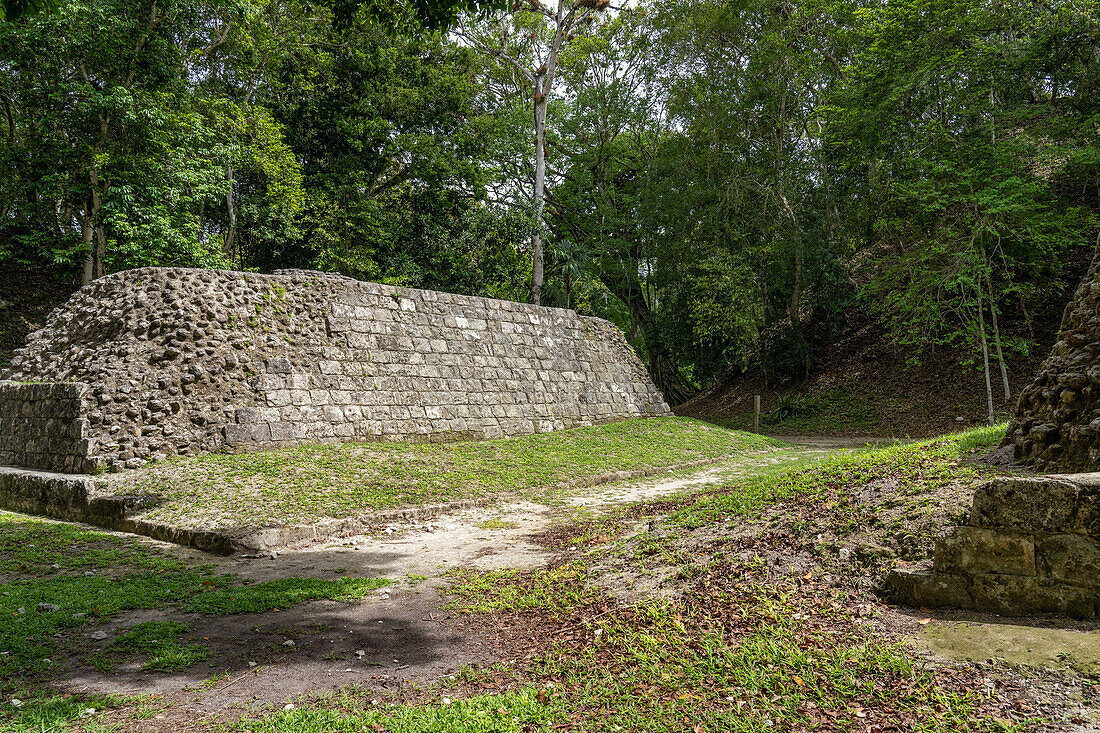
(1056, 422)
(156, 362)
(43, 425)
(1032, 546)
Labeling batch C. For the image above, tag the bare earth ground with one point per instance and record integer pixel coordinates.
(396, 644)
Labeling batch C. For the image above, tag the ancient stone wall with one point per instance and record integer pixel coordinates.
(1056, 422)
(177, 361)
(43, 425)
(1032, 547)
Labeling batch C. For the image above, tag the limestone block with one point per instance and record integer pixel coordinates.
(1037, 505)
(976, 550)
(280, 432)
(1012, 595)
(279, 365)
(246, 433)
(924, 588)
(247, 415)
(1070, 558)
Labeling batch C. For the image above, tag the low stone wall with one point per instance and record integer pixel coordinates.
(84, 499)
(45, 426)
(1032, 547)
(181, 361)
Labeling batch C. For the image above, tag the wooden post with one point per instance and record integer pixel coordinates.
(756, 413)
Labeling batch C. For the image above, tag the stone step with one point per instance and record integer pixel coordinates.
(1032, 547)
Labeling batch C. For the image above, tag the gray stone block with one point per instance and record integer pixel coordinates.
(1070, 558)
(1034, 505)
(977, 550)
(1012, 595)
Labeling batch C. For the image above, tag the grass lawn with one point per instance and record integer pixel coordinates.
(341, 480)
(740, 645)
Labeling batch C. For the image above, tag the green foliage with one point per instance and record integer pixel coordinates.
(728, 179)
(821, 413)
(957, 130)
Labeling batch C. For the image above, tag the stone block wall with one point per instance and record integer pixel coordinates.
(44, 425)
(179, 362)
(1032, 547)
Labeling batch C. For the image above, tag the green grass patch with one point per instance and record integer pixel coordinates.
(558, 590)
(338, 480)
(41, 601)
(159, 643)
(276, 594)
(25, 549)
(916, 466)
(48, 713)
(512, 712)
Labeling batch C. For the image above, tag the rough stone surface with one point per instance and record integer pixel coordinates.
(976, 550)
(157, 362)
(1035, 549)
(1070, 558)
(1056, 422)
(44, 425)
(1026, 503)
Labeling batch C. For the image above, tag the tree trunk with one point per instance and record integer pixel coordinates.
(985, 355)
(93, 234)
(231, 214)
(540, 188)
(662, 367)
(87, 233)
(997, 342)
(95, 254)
(795, 304)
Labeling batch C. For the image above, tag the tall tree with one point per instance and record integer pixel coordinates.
(969, 149)
(530, 40)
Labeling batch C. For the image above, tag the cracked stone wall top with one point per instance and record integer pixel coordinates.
(179, 362)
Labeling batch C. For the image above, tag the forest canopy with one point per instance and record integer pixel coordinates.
(726, 180)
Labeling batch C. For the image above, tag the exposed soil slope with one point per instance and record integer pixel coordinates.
(865, 384)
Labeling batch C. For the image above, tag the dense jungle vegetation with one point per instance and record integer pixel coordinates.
(725, 179)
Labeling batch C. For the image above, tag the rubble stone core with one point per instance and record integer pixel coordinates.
(156, 362)
(1056, 422)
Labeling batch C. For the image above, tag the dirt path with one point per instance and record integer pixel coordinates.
(400, 639)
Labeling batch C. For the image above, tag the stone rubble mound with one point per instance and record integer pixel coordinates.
(1056, 423)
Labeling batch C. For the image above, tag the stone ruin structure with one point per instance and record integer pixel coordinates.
(1056, 425)
(1032, 546)
(153, 362)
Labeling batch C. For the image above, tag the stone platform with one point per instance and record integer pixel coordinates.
(1032, 546)
(151, 363)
